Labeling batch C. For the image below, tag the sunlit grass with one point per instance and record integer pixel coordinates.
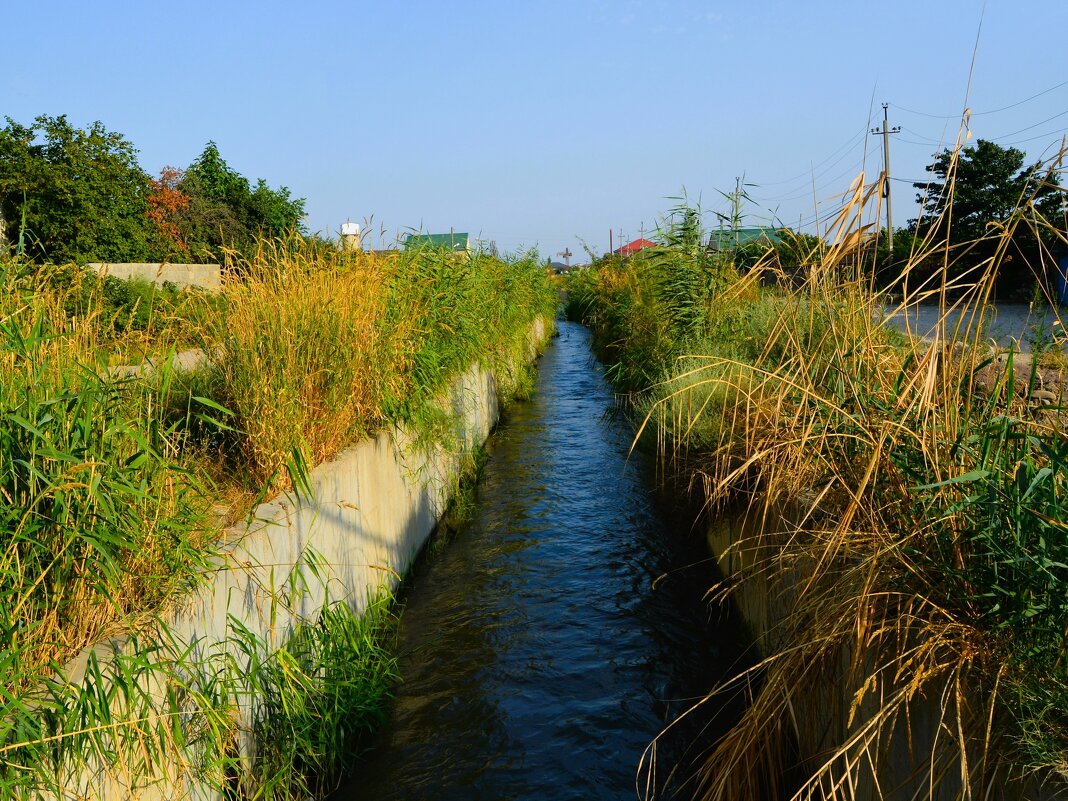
(905, 501)
(113, 486)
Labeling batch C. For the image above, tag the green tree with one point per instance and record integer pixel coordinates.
(988, 185)
(215, 191)
(225, 211)
(275, 211)
(80, 192)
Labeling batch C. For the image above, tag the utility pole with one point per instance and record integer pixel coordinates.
(886, 131)
(567, 254)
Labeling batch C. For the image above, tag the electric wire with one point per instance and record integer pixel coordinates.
(820, 183)
(915, 142)
(819, 186)
(1060, 132)
(923, 141)
(920, 135)
(1029, 127)
(982, 113)
(853, 141)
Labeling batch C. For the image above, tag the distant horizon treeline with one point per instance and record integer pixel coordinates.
(70, 194)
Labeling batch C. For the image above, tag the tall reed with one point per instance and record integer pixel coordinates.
(905, 503)
(100, 520)
(317, 347)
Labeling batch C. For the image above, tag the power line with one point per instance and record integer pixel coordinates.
(819, 178)
(833, 212)
(823, 184)
(1029, 127)
(920, 135)
(982, 113)
(925, 114)
(1060, 132)
(925, 142)
(821, 218)
(1021, 102)
(854, 140)
(914, 142)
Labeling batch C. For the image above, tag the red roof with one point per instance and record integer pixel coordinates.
(631, 248)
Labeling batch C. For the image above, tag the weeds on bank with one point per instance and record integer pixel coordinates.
(317, 347)
(100, 520)
(106, 489)
(102, 523)
(303, 710)
(904, 503)
(318, 699)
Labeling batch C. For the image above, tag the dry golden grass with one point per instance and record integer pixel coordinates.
(304, 353)
(886, 682)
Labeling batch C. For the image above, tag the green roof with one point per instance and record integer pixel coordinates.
(452, 241)
(726, 239)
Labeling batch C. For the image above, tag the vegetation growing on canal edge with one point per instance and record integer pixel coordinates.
(911, 499)
(320, 698)
(107, 480)
(318, 346)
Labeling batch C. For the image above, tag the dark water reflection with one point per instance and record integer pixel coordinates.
(539, 661)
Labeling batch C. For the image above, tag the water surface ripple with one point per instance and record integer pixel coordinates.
(538, 659)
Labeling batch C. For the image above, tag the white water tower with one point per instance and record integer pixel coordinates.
(350, 236)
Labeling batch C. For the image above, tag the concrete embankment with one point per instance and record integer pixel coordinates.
(367, 514)
(836, 722)
(205, 276)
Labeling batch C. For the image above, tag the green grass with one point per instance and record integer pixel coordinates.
(317, 347)
(101, 518)
(110, 488)
(319, 699)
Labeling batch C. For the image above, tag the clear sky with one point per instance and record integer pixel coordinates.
(543, 123)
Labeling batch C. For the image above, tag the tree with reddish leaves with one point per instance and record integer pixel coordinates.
(71, 194)
(166, 202)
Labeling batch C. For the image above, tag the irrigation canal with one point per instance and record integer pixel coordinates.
(562, 627)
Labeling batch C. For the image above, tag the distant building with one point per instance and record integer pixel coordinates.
(350, 236)
(631, 248)
(450, 241)
(732, 239)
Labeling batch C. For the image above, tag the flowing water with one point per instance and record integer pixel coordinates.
(562, 627)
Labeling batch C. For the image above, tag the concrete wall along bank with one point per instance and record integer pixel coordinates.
(891, 767)
(206, 276)
(371, 510)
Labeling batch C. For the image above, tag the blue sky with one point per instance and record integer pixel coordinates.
(543, 123)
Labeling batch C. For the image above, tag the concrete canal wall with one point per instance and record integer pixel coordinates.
(370, 511)
(890, 765)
